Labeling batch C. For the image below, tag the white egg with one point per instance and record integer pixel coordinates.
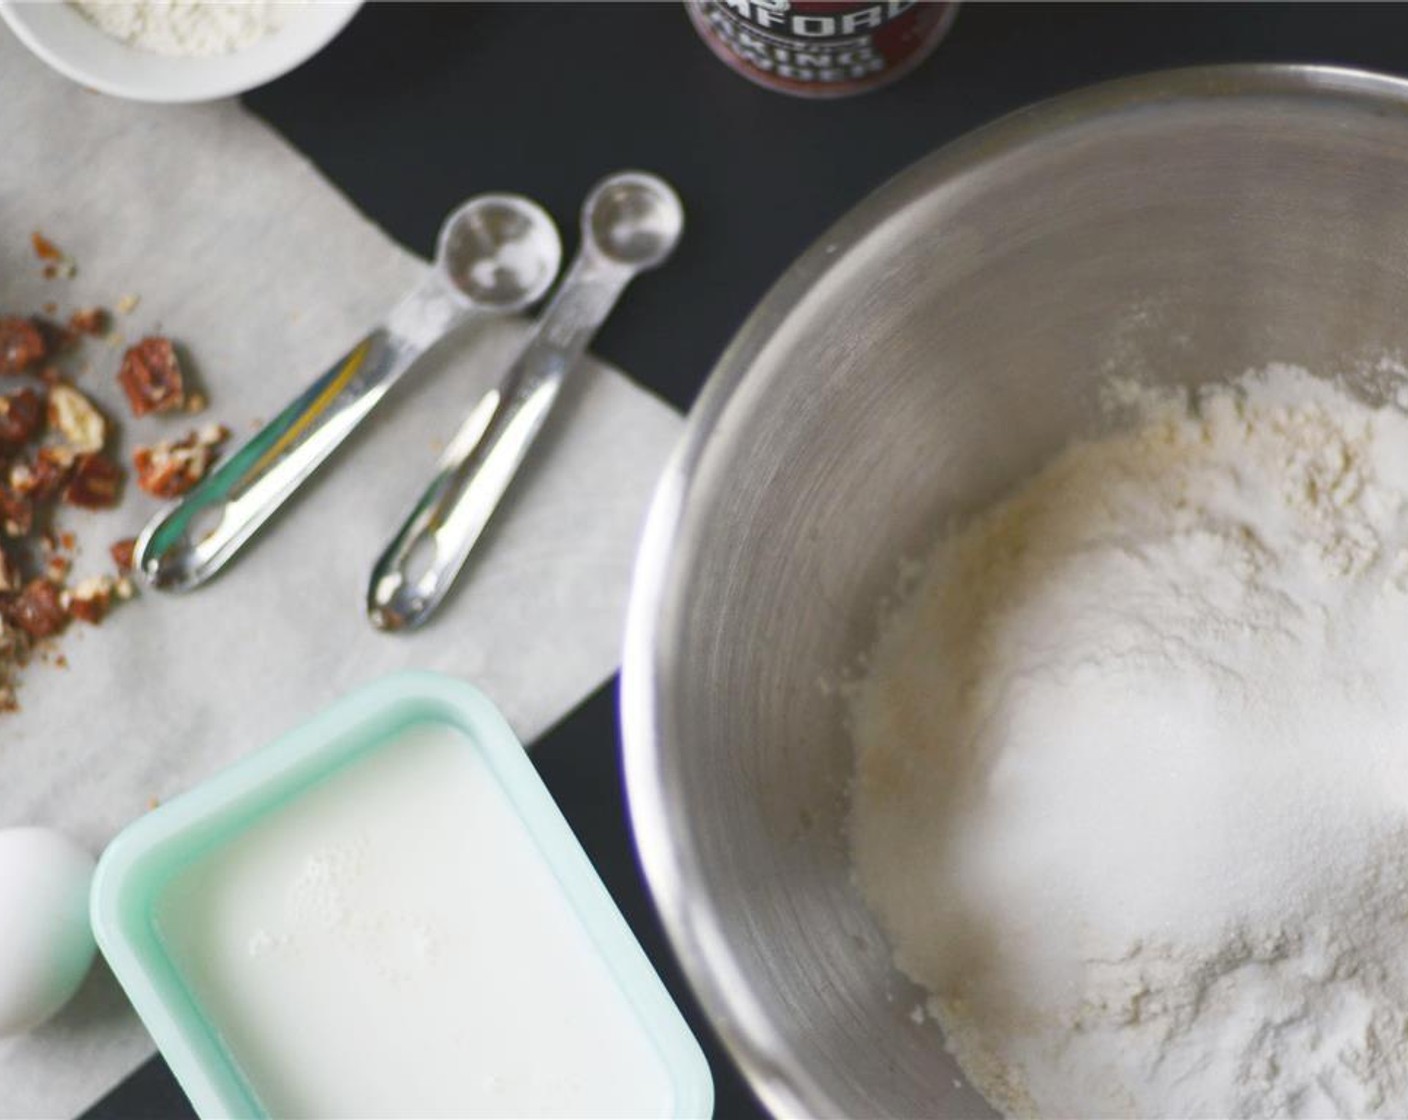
(46, 943)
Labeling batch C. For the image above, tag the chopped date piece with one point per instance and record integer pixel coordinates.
(56, 261)
(76, 418)
(21, 417)
(124, 553)
(38, 610)
(21, 344)
(88, 320)
(151, 377)
(169, 469)
(95, 482)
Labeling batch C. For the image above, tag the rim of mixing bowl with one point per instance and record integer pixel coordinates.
(750, 1030)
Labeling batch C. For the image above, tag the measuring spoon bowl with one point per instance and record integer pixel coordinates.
(634, 219)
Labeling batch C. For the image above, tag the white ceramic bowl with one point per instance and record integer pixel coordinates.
(60, 35)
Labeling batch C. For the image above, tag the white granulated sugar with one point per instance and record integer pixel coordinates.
(187, 27)
(1132, 768)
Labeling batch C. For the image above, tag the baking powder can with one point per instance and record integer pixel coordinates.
(821, 48)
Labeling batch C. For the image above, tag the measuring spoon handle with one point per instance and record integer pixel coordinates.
(186, 545)
(421, 562)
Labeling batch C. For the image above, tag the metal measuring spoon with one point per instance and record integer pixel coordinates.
(630, 223)
(496, 254)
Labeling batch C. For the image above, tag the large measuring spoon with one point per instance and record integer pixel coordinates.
(496, 254)
(630, 223)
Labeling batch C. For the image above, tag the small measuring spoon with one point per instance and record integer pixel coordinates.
(630, 223)
(496, 254)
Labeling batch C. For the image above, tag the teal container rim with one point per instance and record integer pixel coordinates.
(138, 864)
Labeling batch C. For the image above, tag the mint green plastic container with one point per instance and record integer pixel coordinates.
(142, 861)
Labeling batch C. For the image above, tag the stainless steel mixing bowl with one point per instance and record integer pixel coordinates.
(932, 349)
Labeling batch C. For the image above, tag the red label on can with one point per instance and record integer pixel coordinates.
(821, 48)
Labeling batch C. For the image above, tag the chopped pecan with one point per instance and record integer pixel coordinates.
(95, 482)
(151, 376)
(124, 553)
(21, 417)
(76, 418)
(21, 344)
(38, 609)
(88, 320)
(168, 469)
(89, 601)
(44, 478)
(10, 578)
(16, 512)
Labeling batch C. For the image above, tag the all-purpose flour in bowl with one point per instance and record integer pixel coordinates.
(187, 27)
(1132, 767)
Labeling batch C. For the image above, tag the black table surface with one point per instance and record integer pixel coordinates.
(416, 107)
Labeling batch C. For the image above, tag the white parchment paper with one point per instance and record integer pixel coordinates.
(242, 252)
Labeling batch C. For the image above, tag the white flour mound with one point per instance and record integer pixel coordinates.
(187, 27)
(1132, 769)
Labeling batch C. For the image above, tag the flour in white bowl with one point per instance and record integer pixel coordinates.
(1132, 768)
(187, 27)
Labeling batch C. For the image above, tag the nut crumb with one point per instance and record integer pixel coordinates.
(57, 263)
(88, 320)
(45, 249)
(123, 553)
